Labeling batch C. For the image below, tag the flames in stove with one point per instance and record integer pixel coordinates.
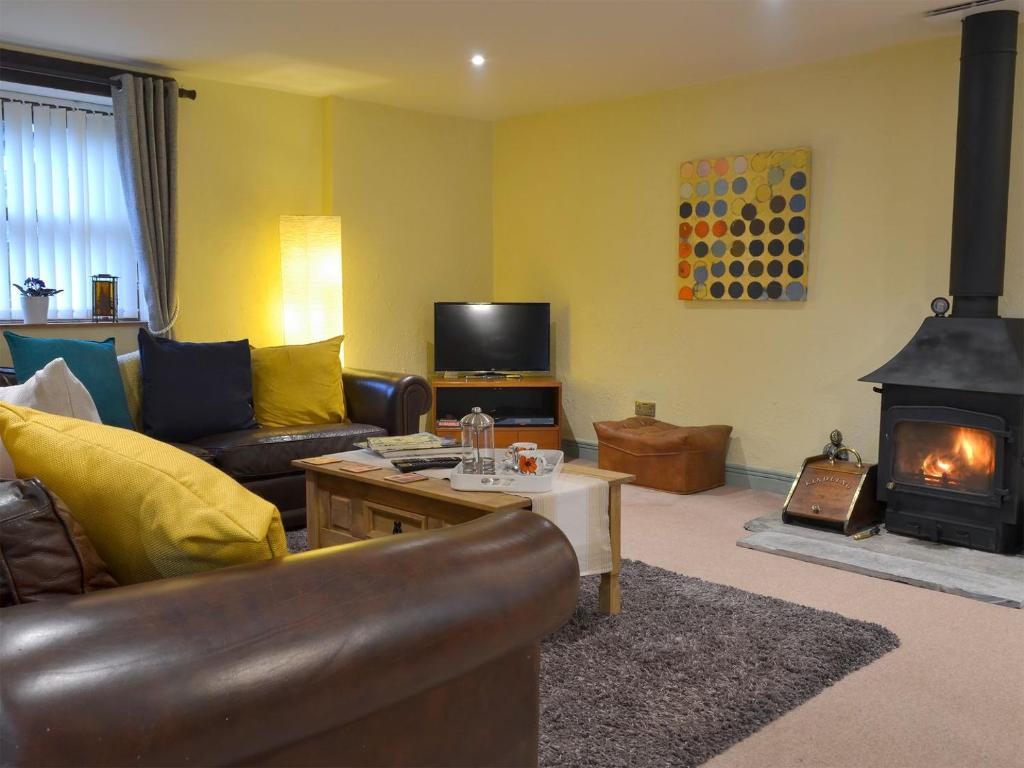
(945, 456)
(970, 454)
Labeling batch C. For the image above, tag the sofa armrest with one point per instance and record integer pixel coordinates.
(237, 665)
(392, 401)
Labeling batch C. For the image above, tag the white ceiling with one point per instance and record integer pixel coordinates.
(414, 54)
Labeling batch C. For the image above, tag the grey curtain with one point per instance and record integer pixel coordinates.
(146, 127)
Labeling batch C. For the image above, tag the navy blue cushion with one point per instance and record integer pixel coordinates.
(191, 390)
(94, 363)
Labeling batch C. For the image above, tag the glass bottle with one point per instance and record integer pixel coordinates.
(478, 443)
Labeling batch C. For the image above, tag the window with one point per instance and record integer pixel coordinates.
(63, 210)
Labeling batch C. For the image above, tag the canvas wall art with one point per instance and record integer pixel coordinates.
(743, 226)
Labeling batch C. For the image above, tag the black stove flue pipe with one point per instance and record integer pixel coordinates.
(988, 52)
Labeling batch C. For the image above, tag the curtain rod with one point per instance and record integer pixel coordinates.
(74, 75)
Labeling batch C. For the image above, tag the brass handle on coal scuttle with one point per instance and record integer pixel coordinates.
(848, 449)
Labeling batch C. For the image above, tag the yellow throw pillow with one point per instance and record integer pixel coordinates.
(298, 384)
(130, 367)
(150, 509)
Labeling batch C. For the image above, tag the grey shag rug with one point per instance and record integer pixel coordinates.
(688, 668)
(297, 541)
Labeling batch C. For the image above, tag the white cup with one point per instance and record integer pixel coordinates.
(530, 462)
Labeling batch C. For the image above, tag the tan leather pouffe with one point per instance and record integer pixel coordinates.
(664, 456)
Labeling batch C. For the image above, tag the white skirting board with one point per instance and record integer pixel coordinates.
(738, 475)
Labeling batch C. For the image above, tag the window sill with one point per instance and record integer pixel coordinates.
(125, 323)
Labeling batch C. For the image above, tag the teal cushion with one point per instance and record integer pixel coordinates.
(94, 363)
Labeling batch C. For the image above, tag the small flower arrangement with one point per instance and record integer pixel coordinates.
(35, 288)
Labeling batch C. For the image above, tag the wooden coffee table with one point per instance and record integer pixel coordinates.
(343, 507)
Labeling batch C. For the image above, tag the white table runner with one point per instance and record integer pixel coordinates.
(577, 504)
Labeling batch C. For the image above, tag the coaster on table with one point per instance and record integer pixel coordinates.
(356, 467)
(343, 464)
(409, 477)
(323, 460)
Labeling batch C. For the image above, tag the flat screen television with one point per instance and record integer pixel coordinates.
(492, 337)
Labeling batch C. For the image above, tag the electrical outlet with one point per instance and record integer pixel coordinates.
(644, 407)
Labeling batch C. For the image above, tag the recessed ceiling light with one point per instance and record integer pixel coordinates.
(478, 60)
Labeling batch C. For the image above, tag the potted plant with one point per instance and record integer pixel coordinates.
(35, 300)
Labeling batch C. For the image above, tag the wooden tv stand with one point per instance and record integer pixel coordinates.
(528, 396)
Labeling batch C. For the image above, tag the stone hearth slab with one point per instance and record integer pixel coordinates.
(992, 578)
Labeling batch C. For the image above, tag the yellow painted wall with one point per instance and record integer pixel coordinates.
(413, 191)
(414, 194)
(245, 156)
(585, 215)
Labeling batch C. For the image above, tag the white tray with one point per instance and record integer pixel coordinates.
(510, 482)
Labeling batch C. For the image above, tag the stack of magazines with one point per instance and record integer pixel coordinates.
(422, 444)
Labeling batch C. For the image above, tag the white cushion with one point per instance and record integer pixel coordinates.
(54, 389)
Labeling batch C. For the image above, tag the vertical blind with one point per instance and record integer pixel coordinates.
(65, 216)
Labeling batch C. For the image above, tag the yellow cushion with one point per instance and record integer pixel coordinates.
(150, 509)
(130, 367)
(298, 384)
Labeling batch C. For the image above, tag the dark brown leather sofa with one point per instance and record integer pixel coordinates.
(413, 650)
(376, 402)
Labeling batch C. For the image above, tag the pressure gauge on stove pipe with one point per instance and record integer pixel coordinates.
(940, 306)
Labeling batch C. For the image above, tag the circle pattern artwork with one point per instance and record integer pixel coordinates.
(753, 209)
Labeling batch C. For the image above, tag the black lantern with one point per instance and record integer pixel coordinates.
(104, 298)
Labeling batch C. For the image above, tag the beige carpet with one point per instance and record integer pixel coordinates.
(951, 695)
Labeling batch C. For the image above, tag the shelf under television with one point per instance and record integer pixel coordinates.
(530, 396)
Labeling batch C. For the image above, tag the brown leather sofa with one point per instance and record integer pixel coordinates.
(376, 402)
(414, 650)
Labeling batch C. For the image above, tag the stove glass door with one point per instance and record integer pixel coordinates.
(944, 456)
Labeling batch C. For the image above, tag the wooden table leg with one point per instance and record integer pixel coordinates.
(609, 600)
(313, 499)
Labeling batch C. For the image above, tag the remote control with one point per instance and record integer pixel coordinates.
(434, 462)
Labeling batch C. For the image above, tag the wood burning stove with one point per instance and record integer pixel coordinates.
(949, 466)
(952, 421)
